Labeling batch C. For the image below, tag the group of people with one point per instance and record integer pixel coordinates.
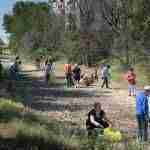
(46, 65)
(97, 120)
(97, 117)
(72, 75)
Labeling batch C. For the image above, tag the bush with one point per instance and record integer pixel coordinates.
(9, 105)
(34, 132)
(10, 109)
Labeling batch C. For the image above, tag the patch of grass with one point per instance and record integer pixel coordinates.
(32, 130)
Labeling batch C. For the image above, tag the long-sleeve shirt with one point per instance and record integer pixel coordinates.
(141, 104)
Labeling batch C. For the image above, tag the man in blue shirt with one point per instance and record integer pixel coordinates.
(142, 111)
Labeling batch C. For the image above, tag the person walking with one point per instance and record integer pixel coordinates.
(142, 113)
(76, 75)
(131, 78)
(105, 76)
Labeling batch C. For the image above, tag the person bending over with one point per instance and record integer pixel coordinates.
(96, 120)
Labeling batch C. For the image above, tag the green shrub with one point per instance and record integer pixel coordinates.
(34, 132)
(10, 109)
(9, 105)
(39, 136)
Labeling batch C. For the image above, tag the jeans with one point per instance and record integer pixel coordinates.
(132, 89)
(69, 79)
(142, 127)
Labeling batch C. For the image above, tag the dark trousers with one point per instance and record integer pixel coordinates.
(142, 127)
(105, 82)
(47, 76)
(69, 79)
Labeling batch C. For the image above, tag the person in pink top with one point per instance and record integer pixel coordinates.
(68, 74)
(131, 78)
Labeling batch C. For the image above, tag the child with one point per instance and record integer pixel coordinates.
(131, 77)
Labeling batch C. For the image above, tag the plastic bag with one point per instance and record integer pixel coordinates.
(112, 135)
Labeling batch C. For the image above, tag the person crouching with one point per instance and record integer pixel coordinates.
(96, 120)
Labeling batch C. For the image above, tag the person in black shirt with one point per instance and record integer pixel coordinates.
(76, 75)
(97, 119)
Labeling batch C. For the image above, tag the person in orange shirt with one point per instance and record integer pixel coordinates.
(131, 78)
(68, 74)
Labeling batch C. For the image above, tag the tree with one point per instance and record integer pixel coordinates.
(126, 19)
(33, 26)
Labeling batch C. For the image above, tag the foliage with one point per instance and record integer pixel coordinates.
(128, 21)
(9, 105)
(10, 109)
(71, 46)
(29, 33)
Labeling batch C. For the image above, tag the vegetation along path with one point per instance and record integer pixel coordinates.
(72, 105)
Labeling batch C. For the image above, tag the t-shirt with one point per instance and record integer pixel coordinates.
(67, 68)
(131, 77)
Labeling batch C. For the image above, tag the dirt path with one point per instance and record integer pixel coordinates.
(72, 105)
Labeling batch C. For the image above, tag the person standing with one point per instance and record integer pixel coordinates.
(1, 70)
(76, 75)
(142, 113)
(96, 73)
(105, 76)
(131, 78)
(68, 74)
(48, 69)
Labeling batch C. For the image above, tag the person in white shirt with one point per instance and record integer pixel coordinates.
(48, 70)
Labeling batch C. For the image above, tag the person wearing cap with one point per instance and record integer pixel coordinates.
(142, 111)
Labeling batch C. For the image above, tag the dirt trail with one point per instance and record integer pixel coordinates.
(72, 105)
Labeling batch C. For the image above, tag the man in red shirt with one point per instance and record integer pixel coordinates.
(131, 78)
